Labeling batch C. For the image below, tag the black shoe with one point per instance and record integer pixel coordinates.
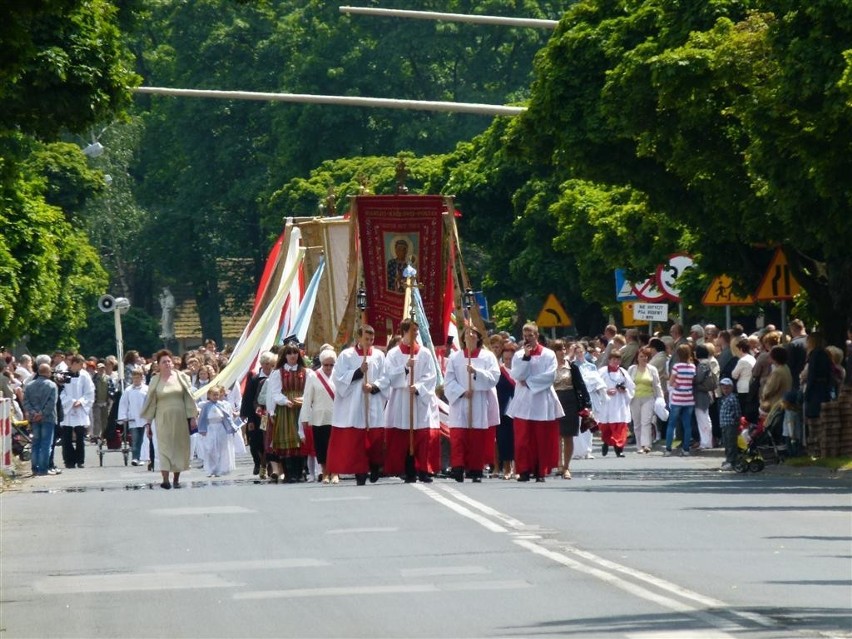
(524, 477)
(477, 479)
(458, 474)
(619, 451)
(361, 479)
(426, 478)
(81, 465)
(374, 473)
(177, 485)
(410, 479)
(165, 485)
(256, 470)
(539, 479)
(604, 449)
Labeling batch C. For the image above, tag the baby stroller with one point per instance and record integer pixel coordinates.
(758, 445)
(22, 441)
(114, 438)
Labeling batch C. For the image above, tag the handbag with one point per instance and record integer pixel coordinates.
(588, 423)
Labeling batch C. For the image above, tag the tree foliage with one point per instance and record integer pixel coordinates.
(63, 70)
(717, 127)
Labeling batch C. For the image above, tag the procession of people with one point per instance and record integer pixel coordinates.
(495, 407)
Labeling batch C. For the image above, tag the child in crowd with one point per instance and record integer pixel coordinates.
(129, 408)
(216, 428)
(729, 419)
(792, 422)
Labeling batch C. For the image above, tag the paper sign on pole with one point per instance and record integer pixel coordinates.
(651, 312)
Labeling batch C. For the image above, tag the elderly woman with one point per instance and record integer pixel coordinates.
(615, 414)
(317, 407)
(170, 404)
(779, 381)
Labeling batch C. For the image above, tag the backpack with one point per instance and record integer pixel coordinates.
(704, 380)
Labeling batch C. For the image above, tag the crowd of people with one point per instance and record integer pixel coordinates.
(495, 407)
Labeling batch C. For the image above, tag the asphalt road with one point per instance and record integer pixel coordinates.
(643, 546)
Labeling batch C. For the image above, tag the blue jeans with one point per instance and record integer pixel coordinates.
(682, 414)
(42, 440)
(137, 436)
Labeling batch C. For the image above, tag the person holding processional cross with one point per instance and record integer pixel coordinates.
(411, 415)
(357, 438)
(470, 387)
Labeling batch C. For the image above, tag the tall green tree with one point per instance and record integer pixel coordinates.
(62, 69)
(729, 120)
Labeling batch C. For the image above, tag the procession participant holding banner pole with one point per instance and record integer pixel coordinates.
(357, 437)
(474, 409)
(412, 408)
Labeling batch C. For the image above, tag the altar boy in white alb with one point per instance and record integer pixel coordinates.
(535, 408)
(470, 385)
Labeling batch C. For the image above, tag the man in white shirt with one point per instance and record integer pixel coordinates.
(77, 396)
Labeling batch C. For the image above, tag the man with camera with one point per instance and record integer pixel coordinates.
(40, 410)
(78, 395)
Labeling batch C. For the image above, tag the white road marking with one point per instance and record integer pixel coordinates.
(444, 571)
(76, 584)
(607, 569)
(350, 591)
(461, 510)
(201, 510)
(226, 566)
(356, 531)
(679, 634)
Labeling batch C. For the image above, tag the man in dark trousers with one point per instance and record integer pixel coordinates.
(253, 410)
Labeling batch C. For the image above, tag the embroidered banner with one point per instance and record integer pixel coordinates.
(395, 230)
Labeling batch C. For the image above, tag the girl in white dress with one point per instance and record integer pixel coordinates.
(216, 427)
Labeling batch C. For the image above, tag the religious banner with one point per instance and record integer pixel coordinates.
(394, 231)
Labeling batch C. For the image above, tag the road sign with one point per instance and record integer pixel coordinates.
(623, 287)
(651, 312)
(778, 283)
(668, 273)
(627, 317)
(648, 291)
(552, 315)
(720, 293)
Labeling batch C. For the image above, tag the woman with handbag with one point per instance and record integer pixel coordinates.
(571, 390)
(170, 403)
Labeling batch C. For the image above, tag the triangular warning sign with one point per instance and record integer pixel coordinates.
(720, 293)
(778, 283)
(552, 315)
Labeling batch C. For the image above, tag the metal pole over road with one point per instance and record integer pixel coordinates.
(304, 98)
(533, 23)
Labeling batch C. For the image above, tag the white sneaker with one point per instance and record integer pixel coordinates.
(589, 456)
(726, 466)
